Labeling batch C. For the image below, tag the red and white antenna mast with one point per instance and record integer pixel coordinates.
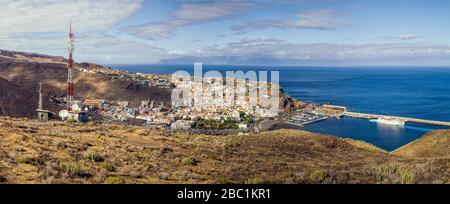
(70, 70)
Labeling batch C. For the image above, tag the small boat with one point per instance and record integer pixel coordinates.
(389, 121)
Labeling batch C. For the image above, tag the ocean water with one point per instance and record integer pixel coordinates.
(401, 91)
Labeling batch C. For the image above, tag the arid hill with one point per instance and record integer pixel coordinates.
(434, 144)
(24, 71)
(14, 100)
(57, 152)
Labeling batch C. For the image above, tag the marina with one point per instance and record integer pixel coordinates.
(387, 132)
(304, 118)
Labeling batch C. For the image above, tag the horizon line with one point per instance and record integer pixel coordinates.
(287, 66)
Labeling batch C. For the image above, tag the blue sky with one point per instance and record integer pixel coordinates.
(303, 32)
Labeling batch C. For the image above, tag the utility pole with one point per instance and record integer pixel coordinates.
(40, 104)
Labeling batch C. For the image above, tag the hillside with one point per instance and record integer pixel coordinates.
(57, 152)
(25, 71)
(14, 100)
(433, 144)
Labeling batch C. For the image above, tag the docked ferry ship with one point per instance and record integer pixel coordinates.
(389, 121)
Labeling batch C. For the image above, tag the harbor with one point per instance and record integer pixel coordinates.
(304, 118)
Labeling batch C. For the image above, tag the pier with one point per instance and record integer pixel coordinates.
(313, 121)
(404, 119)
(303, 124)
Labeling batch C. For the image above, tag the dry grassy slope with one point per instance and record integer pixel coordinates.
(25, 72)
(14, 100)
(433, 144)
(32, 57)
(33, 152)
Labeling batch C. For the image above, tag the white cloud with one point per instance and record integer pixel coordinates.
(54, 15)
(188, 14)
(89, 47)
(321, 19)
(97, 47)
(41, 26)
(409, 36)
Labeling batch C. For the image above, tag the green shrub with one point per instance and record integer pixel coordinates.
(221, 179)
(394, 173)
(318, 176)
(114, 180)
(247, 119)
(385, 171)
(93, 156)
(407, 177)
(222, 124)
(25, 160)
(255, 181)
(72, 169)
(107, 166)
(72, 120)
(189, 161)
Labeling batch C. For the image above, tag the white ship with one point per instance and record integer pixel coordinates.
(389, 121)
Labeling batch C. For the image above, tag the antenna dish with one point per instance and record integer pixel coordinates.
(75, 107)
(63, 114)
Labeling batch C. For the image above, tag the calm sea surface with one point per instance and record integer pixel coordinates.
(411, 92)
